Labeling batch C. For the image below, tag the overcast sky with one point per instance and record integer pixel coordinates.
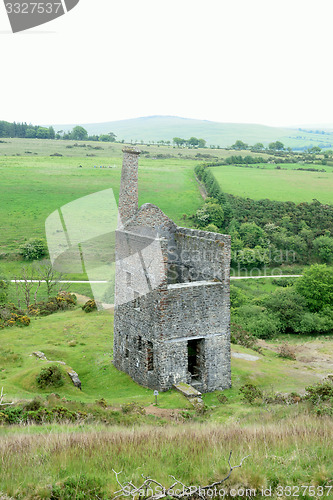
(259, 61)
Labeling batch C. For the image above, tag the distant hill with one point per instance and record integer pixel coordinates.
(154, 128)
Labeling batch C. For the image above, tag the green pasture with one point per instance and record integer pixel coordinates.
(33, 188)
(84, 342)
(276, 184)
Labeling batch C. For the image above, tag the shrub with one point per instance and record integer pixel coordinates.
(288, 305)
(315, 323)
(262, 325)
(3, 290)
(237, 296)
(89, 306)
(34, 249)
(222, 398)
(251, 393)
(33, 405)
(133, 408)
(287, 351)
(62, 302)
(316, 285)
(242, 337)
(50, 376)
(320, 397)
(10, 315)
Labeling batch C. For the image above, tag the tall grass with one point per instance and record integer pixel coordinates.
(285, 453)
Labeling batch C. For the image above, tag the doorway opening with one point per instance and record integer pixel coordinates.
(195, 351)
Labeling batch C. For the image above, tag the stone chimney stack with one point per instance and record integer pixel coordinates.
(128, 194)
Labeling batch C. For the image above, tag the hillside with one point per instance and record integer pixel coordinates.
(154, 128)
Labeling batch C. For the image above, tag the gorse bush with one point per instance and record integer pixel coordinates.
(34, 249)
(62, 302)
(10, 315)
(89, 306)
(50, 376)
(251, 393)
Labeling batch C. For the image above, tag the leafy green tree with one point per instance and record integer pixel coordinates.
(193, 141)
(316, 286)
(258, 146)
(276, 146)
(110, 137)
(34, 249)
(30, 133)
(252, 235)
(178, 141)
(210, 213)
(239, 145)
(314, 150)
(201, 143)
(51, 133)
(323, 247)
(288, 305)
(79, 134)
(42, 133)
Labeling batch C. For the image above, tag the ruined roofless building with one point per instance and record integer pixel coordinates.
(172, 296)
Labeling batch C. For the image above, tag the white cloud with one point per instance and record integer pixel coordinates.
(264, 61)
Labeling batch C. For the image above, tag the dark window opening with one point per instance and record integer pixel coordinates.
(128, 279)
(126, 347)
(140, 343)
(194, 349)
(150, 356)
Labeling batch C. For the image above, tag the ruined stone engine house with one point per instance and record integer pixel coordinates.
(172, 296)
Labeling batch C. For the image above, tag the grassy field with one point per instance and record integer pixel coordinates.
(279, 185)
(72, 337)
(33, 188)
(36, 461)
(285, 443)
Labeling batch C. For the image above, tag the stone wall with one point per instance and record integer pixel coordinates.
(172, 304)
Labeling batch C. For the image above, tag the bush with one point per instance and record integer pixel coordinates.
(251, 393)
(62, 302)
(315, 323)
(33, 405)
(222, 399)
(34, 249)
(10, 315)
(288, 305)
(50, 376)
(242, 337)
(257, 321)
(133, 408)
(287, 351)
(89, 306)
(320, 397)
(316, 286)
(3, 290)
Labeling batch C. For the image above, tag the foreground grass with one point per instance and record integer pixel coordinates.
(287, 453)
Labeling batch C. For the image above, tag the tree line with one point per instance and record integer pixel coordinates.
(28, 131)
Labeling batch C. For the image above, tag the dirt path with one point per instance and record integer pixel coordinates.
(202, 188)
